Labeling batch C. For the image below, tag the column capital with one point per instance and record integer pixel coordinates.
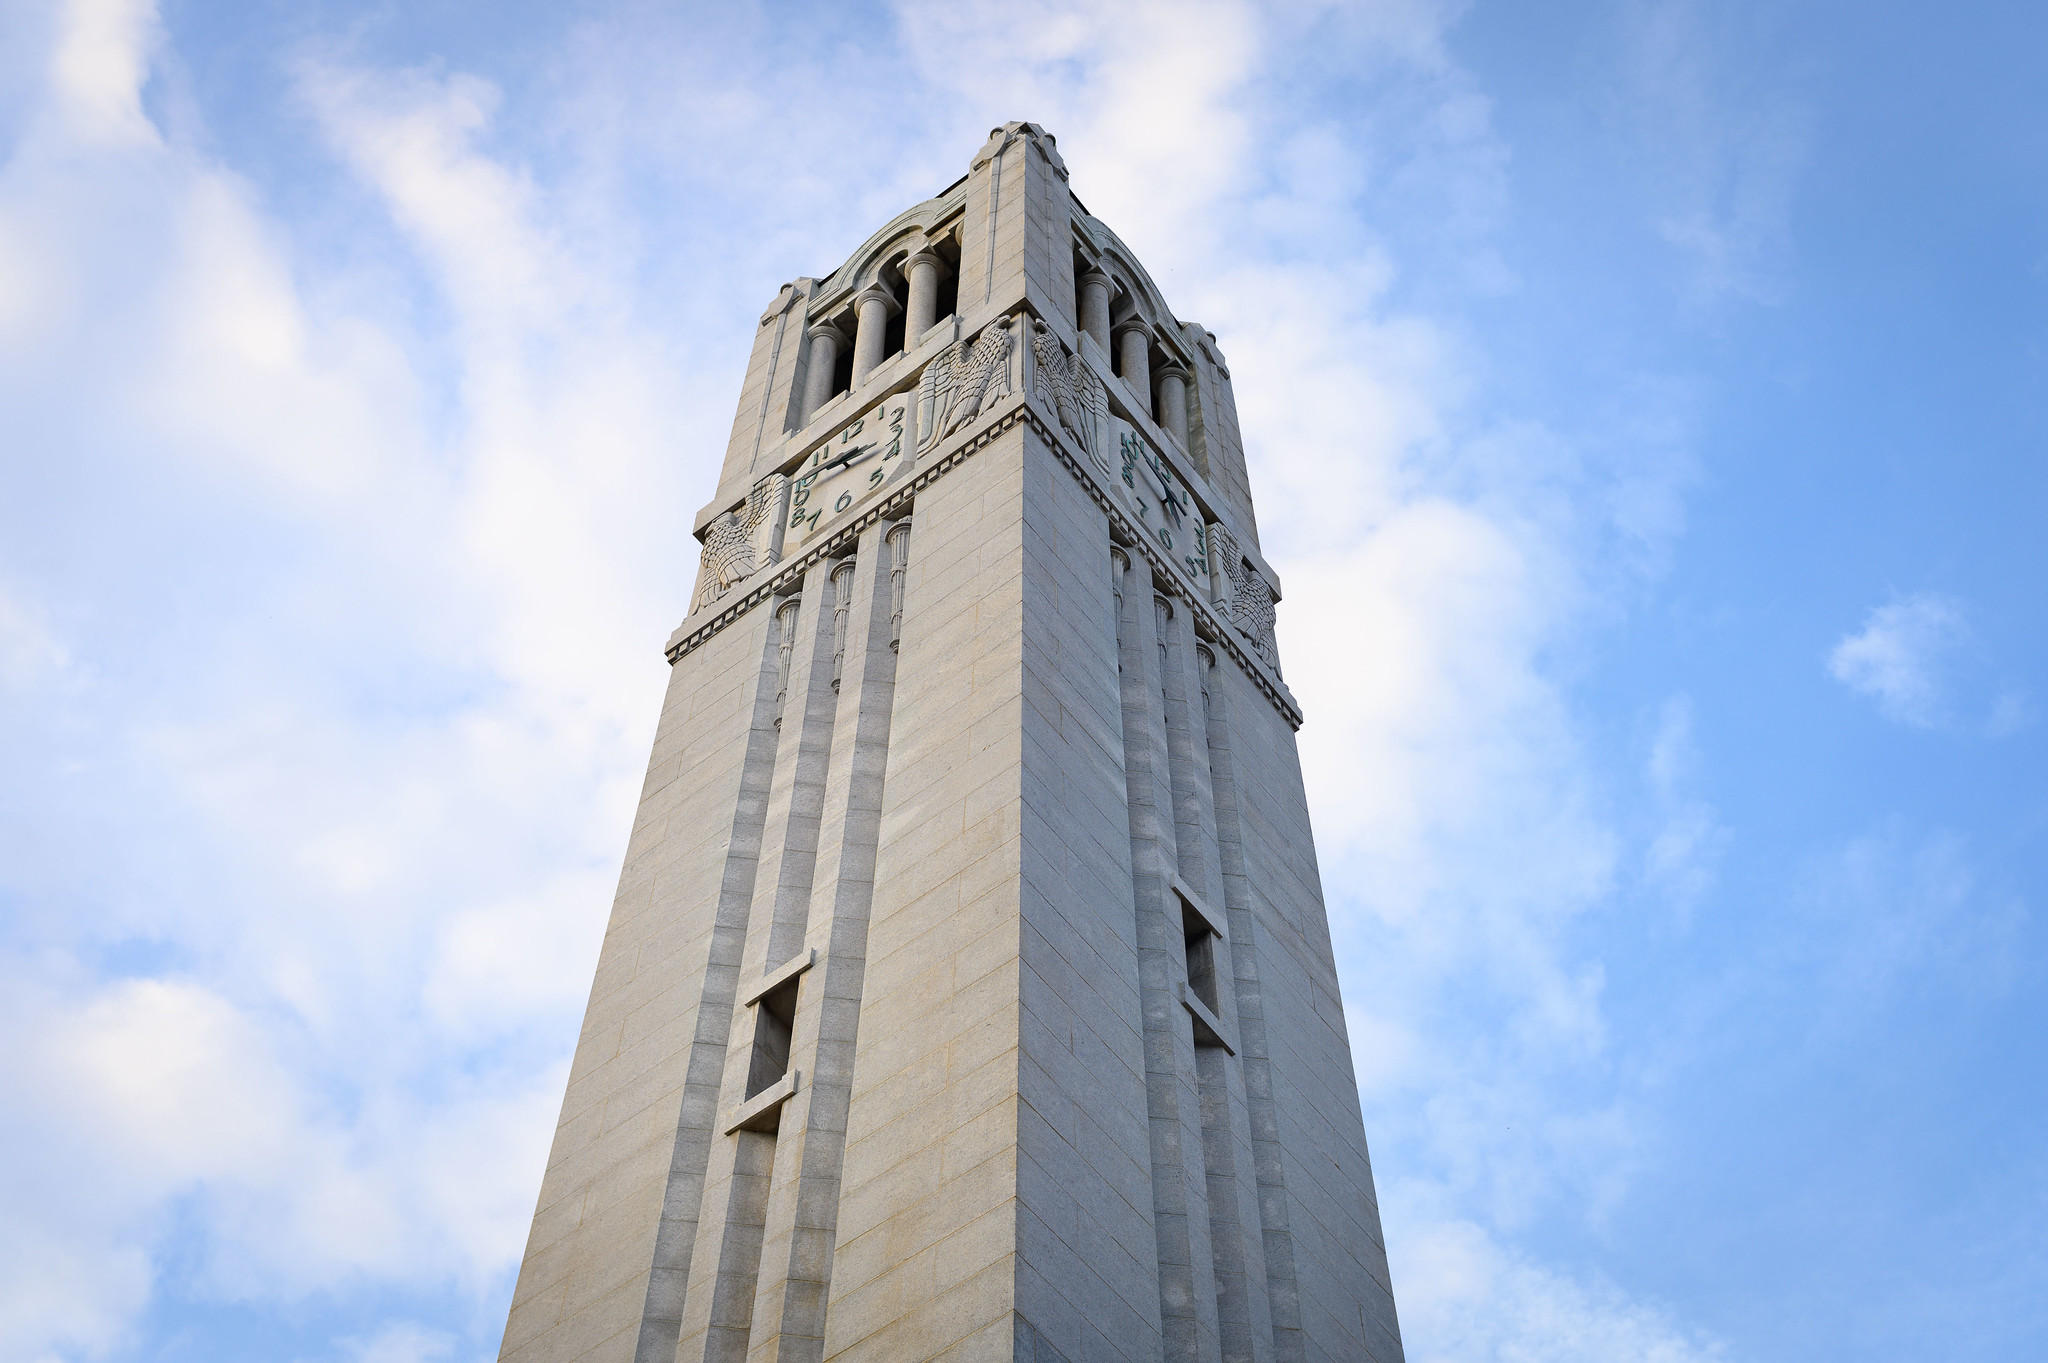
(1098, 277)
(1130, 324)
(1172, 369)
(924, 256)
(875, 293)
(825, 328)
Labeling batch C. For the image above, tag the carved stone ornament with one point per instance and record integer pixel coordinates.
(1069, 384)
(733, 542)
(960, 382)
(1243, 594)
(1253, 613)
(1227, 565)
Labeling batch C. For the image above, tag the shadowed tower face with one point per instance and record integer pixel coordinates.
(969, 992)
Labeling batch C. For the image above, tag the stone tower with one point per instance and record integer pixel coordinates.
(969, 993)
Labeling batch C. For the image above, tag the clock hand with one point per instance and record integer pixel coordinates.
(856, 452)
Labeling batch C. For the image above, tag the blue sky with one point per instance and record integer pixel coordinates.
(1647, 403)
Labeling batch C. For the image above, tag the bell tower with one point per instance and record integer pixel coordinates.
(968, 993)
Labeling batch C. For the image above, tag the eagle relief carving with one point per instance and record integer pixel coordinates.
(960, 383)
(732, 550)
(1243, 594)
(1074, 391)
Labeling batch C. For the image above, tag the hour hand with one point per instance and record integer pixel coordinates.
(847, 458)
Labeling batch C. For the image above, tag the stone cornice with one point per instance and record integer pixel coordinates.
(1018, 410)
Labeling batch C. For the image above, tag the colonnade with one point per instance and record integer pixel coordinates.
(873, 308)
(1163, 395)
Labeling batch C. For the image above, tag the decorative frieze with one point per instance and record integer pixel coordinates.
(1212, 621)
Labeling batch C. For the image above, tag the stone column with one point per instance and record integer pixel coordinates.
(1134, 341)
(899, 563)
(922, 270)
(785, 616)
(842, 600)
(1173, 402)
(824, 358)
(1095, 307)
(875, 306)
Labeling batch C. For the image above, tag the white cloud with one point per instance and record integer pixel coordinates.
(99, 67)
(146, 1091)
(404, 1342)
(2011, 712)
(1900, 657)
(1679, 862)
(1474, 1302)
(29, 651)
(1893, 906)
(394, 767)
(1721, 157)
(121, 1100)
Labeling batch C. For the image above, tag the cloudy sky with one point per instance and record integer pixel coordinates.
(1647, 402)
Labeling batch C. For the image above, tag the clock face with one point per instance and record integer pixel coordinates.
(852, 468)
(1165, 508)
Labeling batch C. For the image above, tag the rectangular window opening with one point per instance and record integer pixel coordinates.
(1201, 949)
(774, 1025)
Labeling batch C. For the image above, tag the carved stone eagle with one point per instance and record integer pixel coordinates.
(729, 550)
(1076, 393)
(961, 381)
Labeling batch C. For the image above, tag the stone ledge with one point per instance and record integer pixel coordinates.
(788, 970)
(1208, 1027)
(1202, 910)
(763, 1111)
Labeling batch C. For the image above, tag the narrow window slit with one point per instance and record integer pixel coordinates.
(1201, 945)
(774, 1025)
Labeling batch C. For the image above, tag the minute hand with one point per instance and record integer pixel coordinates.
(856, 452)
